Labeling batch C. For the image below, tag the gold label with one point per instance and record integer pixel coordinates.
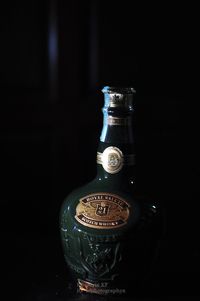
(112, 159)
(102, 211)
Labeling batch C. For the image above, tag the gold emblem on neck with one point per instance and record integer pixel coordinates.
(112, 159)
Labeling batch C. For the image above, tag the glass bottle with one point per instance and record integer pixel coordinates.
(109, 234)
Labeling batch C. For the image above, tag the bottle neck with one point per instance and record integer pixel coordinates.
(115, 155)
(117, 129)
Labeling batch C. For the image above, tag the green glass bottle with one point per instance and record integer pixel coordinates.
(109, 234)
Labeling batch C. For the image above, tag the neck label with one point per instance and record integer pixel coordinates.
(113, 160)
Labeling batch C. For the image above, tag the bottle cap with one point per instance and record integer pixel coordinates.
(118, 96)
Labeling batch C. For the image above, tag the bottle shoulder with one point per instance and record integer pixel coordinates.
(96, 186)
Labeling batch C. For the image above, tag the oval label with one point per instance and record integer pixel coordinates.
(112, 159)
(102, 211)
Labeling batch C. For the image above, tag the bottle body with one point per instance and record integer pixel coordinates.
(102, 259)
(109, 234)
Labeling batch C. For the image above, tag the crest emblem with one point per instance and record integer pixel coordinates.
(102, 209)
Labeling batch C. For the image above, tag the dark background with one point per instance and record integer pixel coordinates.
(55, 57)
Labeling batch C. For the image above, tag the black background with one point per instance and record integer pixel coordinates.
(55, 57)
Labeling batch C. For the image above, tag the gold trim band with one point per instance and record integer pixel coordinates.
(119, 121)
